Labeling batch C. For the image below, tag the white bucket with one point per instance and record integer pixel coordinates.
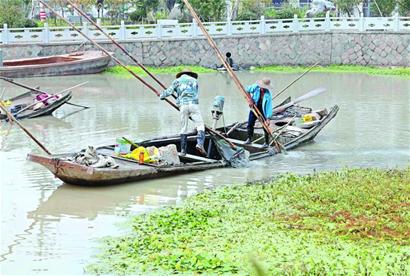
(121, 147)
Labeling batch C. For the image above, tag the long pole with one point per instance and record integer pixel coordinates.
(41, 91)
(298, 78)
(24, 129)
(36, 89)
(82, 13)
(129, 70)
(229, 69)
(2, 93)
(101, 48)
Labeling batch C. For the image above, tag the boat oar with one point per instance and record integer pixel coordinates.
(308, 95)
(2, 94)
(276, 130)
(83, 14)
(24, 129)
(232, 129)
(72, 113)
(229, 69)
(78, 105)
(298, 78)
(283, 129)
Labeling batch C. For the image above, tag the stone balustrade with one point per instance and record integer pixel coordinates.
(171, 30)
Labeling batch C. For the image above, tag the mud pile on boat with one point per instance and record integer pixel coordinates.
(90, 158)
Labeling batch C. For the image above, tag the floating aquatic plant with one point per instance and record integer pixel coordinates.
(344, 222)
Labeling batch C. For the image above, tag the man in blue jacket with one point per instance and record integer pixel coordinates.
(262, 98)
(186, 88)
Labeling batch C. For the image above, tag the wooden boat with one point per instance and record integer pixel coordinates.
(88, 62)
(221, 68)
(28, 99)
(130, 170)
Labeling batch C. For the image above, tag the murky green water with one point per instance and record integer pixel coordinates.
(50, 228)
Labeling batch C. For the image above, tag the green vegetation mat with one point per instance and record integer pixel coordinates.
(403, 72)
(345, 222)
(120, 71)
(382, 71)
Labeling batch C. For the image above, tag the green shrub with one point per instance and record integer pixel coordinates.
(12, 13)
(161, 15)
(288, 11)
(136, 16)
(270, 13)
(29, 23)
(247, 15)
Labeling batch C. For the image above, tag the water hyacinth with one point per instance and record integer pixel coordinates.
(345, 222)
(402, 72)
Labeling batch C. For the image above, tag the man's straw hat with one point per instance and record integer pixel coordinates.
(264, 83)
(188, 72)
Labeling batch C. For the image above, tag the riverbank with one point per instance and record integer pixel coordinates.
(403, 72)
(121, 72)
(349, 222)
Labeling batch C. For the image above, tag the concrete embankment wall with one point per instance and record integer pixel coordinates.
(355, 48)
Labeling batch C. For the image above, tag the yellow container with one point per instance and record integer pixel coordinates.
(308, 118)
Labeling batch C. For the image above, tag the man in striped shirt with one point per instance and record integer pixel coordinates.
(187, 91)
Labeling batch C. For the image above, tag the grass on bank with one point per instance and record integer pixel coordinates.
(121, 72)
(381, 71)
(346, 222)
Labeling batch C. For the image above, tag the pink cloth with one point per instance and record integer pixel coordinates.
(43, 98)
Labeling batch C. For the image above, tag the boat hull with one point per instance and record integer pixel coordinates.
(75, 174)
(89, 62)
(48, 110)
(130, 171)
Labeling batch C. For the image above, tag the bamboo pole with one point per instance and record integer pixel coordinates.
(129, 70)
(104, 50)
(24, 129)
(37, 89)
(298, 78)
(82, 13)
(41, 91)
(252, 105)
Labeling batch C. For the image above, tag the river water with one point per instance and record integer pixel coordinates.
(48, 227)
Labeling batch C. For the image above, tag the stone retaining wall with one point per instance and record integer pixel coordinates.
(366, 48)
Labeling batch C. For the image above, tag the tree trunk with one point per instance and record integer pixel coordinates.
(170, 4)
(235, 10)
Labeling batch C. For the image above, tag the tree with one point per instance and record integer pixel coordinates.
(385, 7)
(208, 10)
(12, 13)
(170, 4)
(404, 7)
(142, 8)
(347, 6)
(252, 9)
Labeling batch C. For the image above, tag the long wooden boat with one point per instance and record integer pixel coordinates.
(27, 99)
(88, 62)
(130, 170)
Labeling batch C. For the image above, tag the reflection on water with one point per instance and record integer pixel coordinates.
(52, 228)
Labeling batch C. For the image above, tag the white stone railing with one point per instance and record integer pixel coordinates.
(188, 30)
